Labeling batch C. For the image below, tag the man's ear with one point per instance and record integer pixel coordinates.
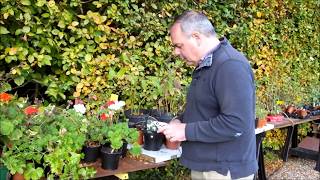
(196, 36)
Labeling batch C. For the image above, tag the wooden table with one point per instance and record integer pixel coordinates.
(126, 165)
(291, 143)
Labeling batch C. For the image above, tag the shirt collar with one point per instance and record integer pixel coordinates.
(207, 59)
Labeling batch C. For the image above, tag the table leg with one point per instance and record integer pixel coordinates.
(285, 152)
(261, 170)
(317, 168)
(294, 140)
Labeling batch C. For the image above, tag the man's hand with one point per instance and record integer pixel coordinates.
(174, 131)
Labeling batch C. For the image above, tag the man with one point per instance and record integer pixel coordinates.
(217, 126)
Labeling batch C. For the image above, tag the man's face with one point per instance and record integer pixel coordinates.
(184, 46)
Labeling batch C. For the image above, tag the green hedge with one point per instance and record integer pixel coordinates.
(65, 49)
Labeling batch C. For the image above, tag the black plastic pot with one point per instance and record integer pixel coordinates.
(161, 115)
(124, 149)
(152, 140)
(109, 160)
(136, 118)
(91, 154)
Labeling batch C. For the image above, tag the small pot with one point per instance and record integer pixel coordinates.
(4, 172)
(302, 113)
(109, 160)
(152, 140)
(140, 137)
(161, 115)
(261, 123)
(172, 145)
(17, 176)
(290, 109)
(136, 118)
(91, 153)
(124, 149)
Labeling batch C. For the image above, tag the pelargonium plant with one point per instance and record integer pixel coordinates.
(111, 111)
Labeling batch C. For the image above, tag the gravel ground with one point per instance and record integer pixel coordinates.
(296, 168)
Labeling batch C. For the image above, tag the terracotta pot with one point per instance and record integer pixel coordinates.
(17, 176)
(140, 137)
(172, 145)
(261, 123)
(290, 109)
(302, 113)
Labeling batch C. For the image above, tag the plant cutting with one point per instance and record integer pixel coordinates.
(94, 137)
(261, 115)
(152, 139)
(118, 134)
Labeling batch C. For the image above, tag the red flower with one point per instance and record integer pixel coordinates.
(5, 97)
(104, 117)
(110, 103)
(30, 110)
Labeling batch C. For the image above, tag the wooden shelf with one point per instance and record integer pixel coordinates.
(126, 165)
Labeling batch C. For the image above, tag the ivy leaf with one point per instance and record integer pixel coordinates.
(19, 80)
(3, 30)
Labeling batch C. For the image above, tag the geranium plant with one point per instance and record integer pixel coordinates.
(11, 118)
(45, 137)
(112, 110)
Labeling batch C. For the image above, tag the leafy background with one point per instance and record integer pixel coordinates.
(64, 49)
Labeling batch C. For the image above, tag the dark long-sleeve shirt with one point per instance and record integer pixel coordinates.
(220, 115)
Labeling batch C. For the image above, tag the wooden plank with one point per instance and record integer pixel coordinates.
(291, 122)
(311, 143)
(126, 165)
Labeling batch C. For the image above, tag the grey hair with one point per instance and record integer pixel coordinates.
(195, 21)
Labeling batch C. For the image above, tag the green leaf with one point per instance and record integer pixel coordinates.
(26, 2)
(72, 39)
(88, 57)
(16, 135)
(3, 30)
(154, 6)
(111, 74)
(47, 60)
(45, 15)
(5, 87)
(19, 80)
(26, 29)
(121, 72)
(6, 127)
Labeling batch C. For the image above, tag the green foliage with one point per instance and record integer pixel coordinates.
(11, 119)
(92, 48)
(174, 170)
(52, 138)
(120, 132)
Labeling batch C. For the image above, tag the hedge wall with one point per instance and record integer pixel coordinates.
(64, 49)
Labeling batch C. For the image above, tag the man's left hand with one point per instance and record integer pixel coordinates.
(174, 131)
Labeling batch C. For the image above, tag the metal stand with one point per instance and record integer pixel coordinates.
(261, 170)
